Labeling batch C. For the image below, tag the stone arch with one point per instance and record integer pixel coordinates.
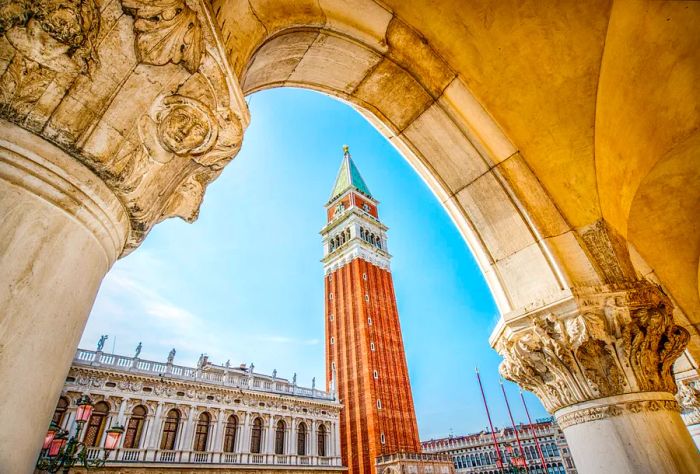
(467, 161)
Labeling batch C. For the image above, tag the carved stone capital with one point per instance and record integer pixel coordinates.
(139, 91)
(604, 341)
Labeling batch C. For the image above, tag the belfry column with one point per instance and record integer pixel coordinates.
(601, 362)
(113, 117)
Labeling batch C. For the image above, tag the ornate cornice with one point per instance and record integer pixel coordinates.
(194, 392)
(139, 91)
(619, 339)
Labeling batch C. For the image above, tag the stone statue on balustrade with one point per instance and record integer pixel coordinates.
(313, 383)
(202, 361)
(138, 350)
(101, 342)
(294, 379)
(171, 356)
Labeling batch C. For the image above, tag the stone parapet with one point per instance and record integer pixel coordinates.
(414, 463)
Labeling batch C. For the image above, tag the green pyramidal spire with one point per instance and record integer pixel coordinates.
(348, 177)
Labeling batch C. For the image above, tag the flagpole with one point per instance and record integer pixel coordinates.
(534, 433)
(488, 415)
(515, 430)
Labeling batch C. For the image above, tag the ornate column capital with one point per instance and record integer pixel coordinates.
(602, 342)
(139, 91)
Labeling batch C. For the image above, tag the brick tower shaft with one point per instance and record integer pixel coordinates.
(365, 359)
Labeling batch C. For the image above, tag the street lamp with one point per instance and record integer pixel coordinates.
(61, 452)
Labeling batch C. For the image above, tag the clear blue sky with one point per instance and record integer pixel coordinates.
(245, 283)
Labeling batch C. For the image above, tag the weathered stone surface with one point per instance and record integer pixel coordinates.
(392, 93)
(138, 91)
(334, 62)
(277, 59)
(452, 156)
(613, 340)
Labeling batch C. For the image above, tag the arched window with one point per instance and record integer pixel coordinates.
(201, 433)
(170, 427)
(279, 437)
(60, 412)
(301, 439)
(132, 437)
(96, 424)
(230, 434)
(256, 437)
(321, 441)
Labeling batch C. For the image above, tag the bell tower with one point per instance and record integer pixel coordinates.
(365, 357)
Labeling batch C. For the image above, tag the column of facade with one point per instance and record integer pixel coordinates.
(121, 419)
(244, 446)
(270, 439)
(311, 442)
(153, 431)
(293, 439)
(216, 444)
(68, 418)
(188, 434)
(336, 435)
(601, 363)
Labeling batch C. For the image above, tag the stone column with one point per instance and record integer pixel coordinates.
(216, 443)
(154, 428)
(601, 363)
(270, 436)
(105, 130)
(293, 438)
(61, 230)
(245, 435)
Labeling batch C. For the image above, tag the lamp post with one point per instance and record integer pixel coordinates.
(61, 452)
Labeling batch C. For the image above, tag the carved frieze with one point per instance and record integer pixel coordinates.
(618, 339)
(140, 91)
(616, 409)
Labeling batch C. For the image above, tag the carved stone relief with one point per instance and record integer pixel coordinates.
(138, 90)
(621, 339)
(689, 399)
(609, 411)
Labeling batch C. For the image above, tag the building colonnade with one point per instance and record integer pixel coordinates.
(180, 432)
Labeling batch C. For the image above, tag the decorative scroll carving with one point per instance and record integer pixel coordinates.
(156, 119)
(609, 252)
(166, 31)
(609, 411)
(620, 340)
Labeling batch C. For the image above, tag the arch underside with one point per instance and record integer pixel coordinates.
(528, 124)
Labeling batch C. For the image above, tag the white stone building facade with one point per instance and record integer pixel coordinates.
(476, 454)
(177, 416)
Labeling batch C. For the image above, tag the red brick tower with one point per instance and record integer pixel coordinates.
(365, 360)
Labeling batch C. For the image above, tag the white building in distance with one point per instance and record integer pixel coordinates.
(476, 454)
(177, 416)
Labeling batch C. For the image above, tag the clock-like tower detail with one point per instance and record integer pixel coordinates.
(365, 359)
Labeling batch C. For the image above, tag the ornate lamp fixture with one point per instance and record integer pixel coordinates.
(61, 452)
